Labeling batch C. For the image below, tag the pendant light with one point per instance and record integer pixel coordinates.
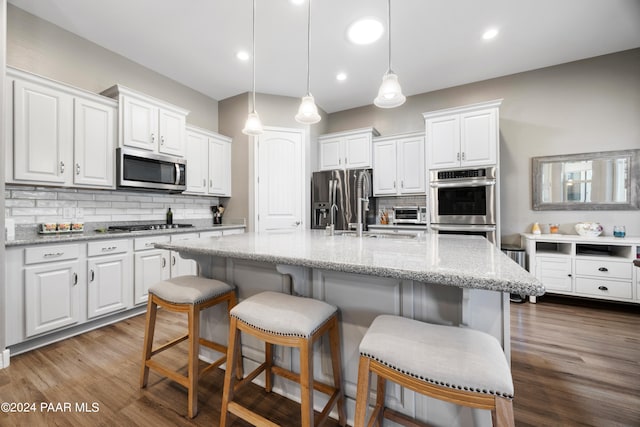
(390, 93)
(308, 112)
(253, 125)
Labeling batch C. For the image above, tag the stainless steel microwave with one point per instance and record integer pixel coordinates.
(138, 170)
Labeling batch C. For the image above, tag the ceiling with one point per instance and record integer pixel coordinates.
(436, 44)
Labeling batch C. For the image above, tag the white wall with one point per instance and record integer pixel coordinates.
(584, 106)
(3, 40)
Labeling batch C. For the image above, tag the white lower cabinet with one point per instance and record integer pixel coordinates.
(109, 277)
(555, 273)
(150, 265)
(181, 266)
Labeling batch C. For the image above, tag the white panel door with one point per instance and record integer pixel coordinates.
(109, 284)
(280, 179)
(219, 167)
(172, 132)
(43, 130)
(197, 162)
(357, 151)
(384, 168)
(150, 267)
(478, 138)
(443, 140)
(411, 166)
(51, 296)
(330, 154)
(94, 139)
(140, 124)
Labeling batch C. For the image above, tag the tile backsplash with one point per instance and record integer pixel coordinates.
(32, 205)
(389, 202)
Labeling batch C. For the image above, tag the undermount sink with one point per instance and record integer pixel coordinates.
(373, 235)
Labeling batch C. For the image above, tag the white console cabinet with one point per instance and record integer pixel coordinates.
(597, 267)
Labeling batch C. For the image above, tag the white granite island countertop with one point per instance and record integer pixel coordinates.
(451, 260)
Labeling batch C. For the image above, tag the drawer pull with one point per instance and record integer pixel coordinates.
(52, 254)
(603, 269)
(93, 275)
(569, 275)
(173, 260)
(148, 245)
(603, 288)
(164, 262)
(109, 248)
(75, 279)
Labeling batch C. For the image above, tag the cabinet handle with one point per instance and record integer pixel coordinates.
(458, 156)
(108, 248)
(162, 140)
(93, 275)
(603, 288)
(603, 269)
(339, 161)
(463, 155)
(164, 262)
(394, 184)
(345, 161)
(52, 254)
(75, 279)
(77, 168)
(204, 182)
(402, 184)
(569, 274)
(173, 260)
(210, 183)
(148, 245)
(61, 167)
(153, 137)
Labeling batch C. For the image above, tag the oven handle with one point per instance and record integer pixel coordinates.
(469, 183)
(462, 227)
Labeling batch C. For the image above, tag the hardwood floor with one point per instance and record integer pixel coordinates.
(574, 364)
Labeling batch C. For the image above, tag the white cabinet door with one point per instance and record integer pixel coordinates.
(411, 165)
(51, 296)
(181, 266)
(554, 273)
(384, 168)
(149, 267)
(94, 143)
(197, 162)
(219, 167)
(139, 123)
(478, 138)
(171, 132)
(331, 154)
(357, 151)
(443, 138)
(108, 284)
(43, 132)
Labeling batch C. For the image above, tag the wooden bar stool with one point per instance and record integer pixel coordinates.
(290, 321)
(457, 365)
(191, 295)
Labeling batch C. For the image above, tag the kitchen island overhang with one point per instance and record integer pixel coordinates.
(445, 279)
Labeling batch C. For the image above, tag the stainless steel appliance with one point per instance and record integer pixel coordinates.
(145, 227)
(463, 201)
(409, 215)
(138, 170)
(334, 193)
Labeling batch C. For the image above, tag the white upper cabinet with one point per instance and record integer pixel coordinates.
(346, 150)
(60, 135)
(463, 137)
(399, 165)
(148, 123)
(208, 163)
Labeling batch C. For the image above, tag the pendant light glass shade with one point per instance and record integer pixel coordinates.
(253, 125)
(390, 93)
(308, 111)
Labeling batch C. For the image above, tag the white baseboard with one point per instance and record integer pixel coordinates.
(4, 360)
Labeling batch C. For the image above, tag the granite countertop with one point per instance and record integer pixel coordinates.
(452, 260)
(30, 236)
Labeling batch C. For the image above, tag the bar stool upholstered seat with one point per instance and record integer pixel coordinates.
(291, 321)
(458, 365)
(191, 295)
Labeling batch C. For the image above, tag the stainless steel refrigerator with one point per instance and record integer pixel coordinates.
(339, 188)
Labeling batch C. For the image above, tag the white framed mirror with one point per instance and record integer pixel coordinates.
(607, 180)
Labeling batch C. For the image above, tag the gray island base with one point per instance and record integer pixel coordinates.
(452, 280)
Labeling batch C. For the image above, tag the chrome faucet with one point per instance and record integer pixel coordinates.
(363, 182)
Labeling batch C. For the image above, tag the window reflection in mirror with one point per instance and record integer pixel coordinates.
(607, 180)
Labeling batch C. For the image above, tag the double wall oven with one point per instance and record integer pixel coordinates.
(463, 201)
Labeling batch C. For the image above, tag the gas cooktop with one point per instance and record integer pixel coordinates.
(144, 227)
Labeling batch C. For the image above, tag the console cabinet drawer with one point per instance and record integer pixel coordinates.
(604, 268)
(604, 288)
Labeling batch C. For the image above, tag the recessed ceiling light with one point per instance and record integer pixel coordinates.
(341, 76)
(490, 33)
(365, 31)
(242, 55)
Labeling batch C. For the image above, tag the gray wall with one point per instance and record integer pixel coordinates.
(42, 48)
(584, 106)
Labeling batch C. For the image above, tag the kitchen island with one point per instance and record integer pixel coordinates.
(454, 280)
